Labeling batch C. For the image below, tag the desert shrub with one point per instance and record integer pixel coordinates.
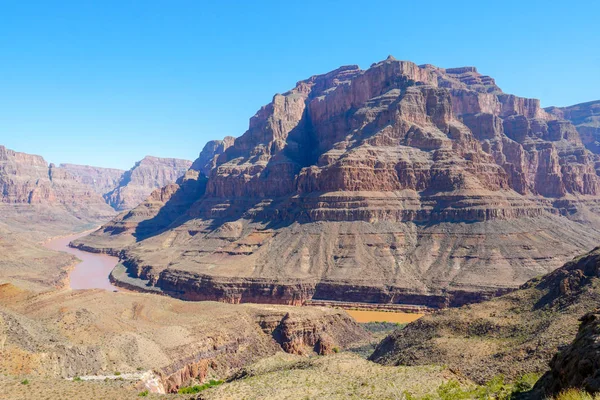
(452, 391)
(77, 379)
(336, 349)
(376, 327)
(143, 394)
(117, 373)
(525, 383)
(25, 382)
(199, 388)
(576, 394)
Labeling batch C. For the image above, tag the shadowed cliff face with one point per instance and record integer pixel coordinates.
(400, 183)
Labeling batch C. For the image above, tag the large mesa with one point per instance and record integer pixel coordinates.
(396, 184)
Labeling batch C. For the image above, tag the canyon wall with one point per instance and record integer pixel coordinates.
(396, 184)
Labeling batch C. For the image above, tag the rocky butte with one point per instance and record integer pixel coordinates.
(396, 184)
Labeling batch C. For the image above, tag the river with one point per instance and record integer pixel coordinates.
(93, 270)
(383, 316)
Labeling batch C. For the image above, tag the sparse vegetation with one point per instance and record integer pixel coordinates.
(77, 379)
(199, 388)
(496, 389)
(117, 373)
(576, 394)
(143, 394)
(25, 382)
(376, 327)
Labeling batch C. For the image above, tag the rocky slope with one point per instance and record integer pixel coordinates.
(396, 184)
(511, 335)
(94, 332)
(577, 365)
(147, 175)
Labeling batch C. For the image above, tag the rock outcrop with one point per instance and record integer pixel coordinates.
(207, 159)
(147, 175)
(511, 335)
(396, 184)
(586, 118)
(577, 366)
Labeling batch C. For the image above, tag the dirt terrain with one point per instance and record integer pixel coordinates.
(511, 335)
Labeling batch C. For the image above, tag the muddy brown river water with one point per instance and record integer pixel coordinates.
(93, 270)
(383, 316)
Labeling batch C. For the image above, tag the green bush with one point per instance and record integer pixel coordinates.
(143, 394)
(452, 391)
(336, 349)
(77, 379)
(199, 388)
(525, 383)
(25, 382)
(117, 373)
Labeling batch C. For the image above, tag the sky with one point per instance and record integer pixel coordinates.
(107, 82)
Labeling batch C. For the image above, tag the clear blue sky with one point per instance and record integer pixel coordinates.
(107, 82)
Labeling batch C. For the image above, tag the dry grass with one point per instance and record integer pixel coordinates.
(576, 394)
(339, 376)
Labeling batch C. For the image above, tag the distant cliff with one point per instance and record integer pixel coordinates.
(146, 175)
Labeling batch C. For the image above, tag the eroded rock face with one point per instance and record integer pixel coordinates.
(147, 175)
(586, 118)
(400, 183)
(207, 159)
(102, 180)
(27, 179)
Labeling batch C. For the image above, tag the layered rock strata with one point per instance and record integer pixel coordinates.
(102, 180)
(28, 180)
(396, 184)
(94, 332)
(586, 118)
(147, 175)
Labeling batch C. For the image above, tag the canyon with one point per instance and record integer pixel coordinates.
(399, 187)
(399, 184)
